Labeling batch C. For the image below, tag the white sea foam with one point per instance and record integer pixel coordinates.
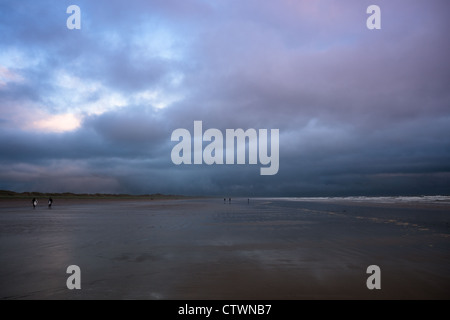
(398, 199)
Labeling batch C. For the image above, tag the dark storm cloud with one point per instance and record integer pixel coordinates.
(359, 111)
(134, 133)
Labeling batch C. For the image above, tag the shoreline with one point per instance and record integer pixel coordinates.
(59, 202)
(341, 202)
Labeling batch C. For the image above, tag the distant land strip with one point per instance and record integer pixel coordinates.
(5, 194)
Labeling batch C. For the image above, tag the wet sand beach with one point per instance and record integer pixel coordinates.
(208, 249)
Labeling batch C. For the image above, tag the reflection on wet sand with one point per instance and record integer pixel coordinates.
(201, 249)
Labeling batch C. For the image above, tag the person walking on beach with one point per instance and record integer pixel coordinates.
(229, 200)
(50, 202)
(34, 202)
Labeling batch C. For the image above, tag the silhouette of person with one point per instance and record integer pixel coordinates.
(224, 200)
(34, 202)
(50, 202)
(229, 200)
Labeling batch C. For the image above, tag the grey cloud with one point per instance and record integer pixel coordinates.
(130, 126)
(359, 112)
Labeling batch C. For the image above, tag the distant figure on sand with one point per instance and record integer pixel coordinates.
(50, 202)
(34, 202)
(229, 200)
(248, 201)
(224, 200)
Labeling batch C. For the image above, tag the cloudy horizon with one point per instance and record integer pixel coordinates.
(360, 112)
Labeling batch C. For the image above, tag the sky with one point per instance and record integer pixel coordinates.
(359, 111)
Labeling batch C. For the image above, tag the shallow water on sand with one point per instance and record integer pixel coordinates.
(207, 249)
